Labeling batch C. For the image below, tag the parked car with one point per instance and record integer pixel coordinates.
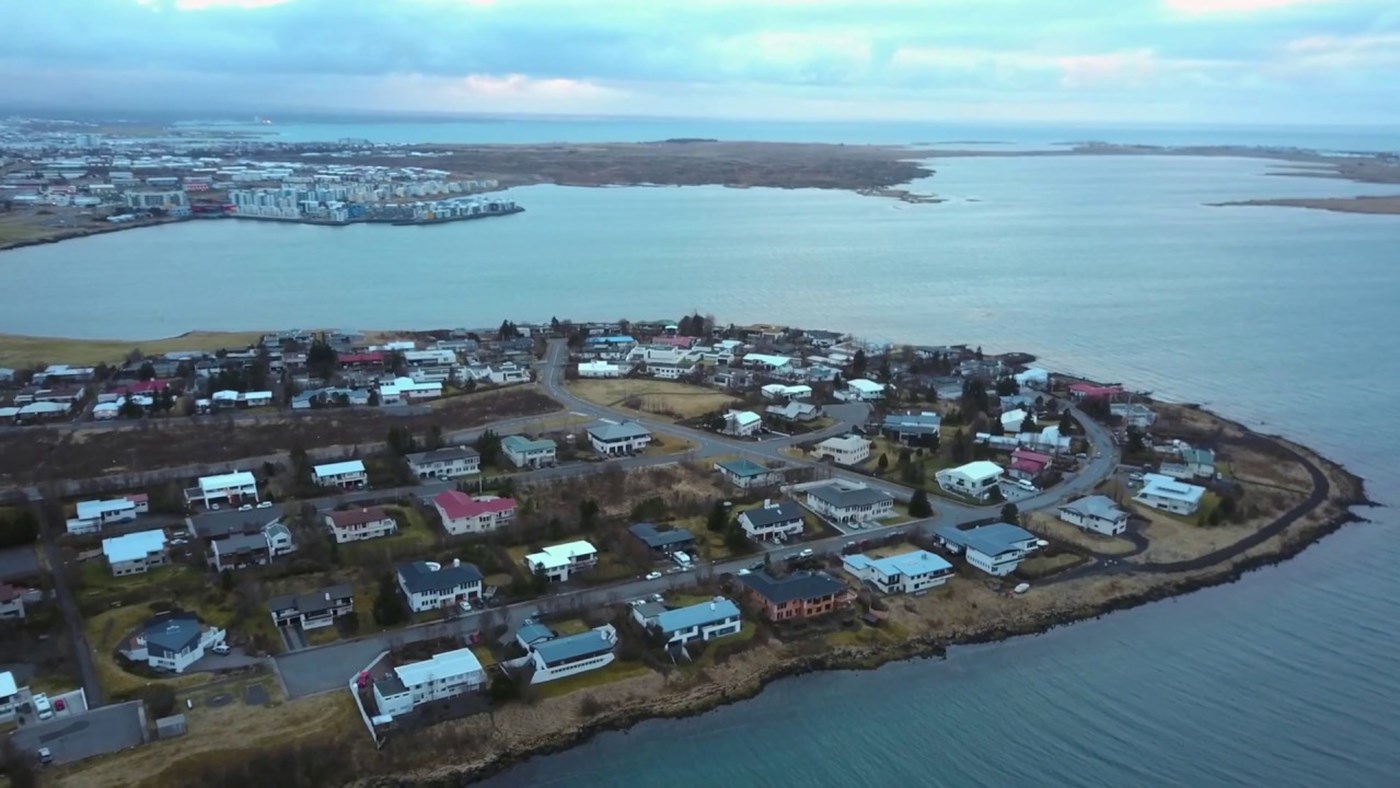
(265, 505)
(221, 648)
(806, 553)
(653, 575)
(743, 572)
(247, 507)
(45, 756)
(60, 704)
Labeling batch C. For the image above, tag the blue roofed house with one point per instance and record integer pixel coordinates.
(619, 440)
(996, 549)
(717, 618)
(906, 573)
(561, 657)
(1169, 495)
(172, 642)
(747, 474)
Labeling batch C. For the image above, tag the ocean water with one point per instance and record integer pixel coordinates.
(1113, 267)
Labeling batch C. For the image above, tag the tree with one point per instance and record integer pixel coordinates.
(388, 607)
(129, 409)
(1066, 423)
(959, 446)
(713, 421)
(719, 518)
(147, 371)
(434, 438)
(974, 397)
(882, 464)
(321, 358)
(684, 326)
(1008, 386)
(919, 505)
(1010, 514)
(996, 427)
(588, 511)
(488, 446)
(1028, 423)
(1135, 442)
(736, 540)
(858, 363)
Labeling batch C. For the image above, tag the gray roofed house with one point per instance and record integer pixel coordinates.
(782, 511)
(441, 455)
(313, 609)
(223, 524)
(610, 432)
(846, 504)
(775, 521)
(845, 497)
(418, 576)
(172, 633)
(573, 647)
(911, 427)
(747, 473)
(798, 585)
(240, 550)
(532, 633)
(613, 440)
(794, 410)
(662, 541)
(996, 549)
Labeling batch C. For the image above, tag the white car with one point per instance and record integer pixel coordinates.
(221, 648)
(247, 507)
(1041, 543)
(743, 572)
(653, 575)
(265, 505)
(806, 553)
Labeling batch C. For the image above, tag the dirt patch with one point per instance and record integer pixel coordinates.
(618, 492)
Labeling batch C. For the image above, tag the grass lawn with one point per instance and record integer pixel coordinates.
(484, 656)
(417, 535)
(105, 631)
(862, 634)
(320, 636)
(893, 549)
(569, 626)
(708, 657)
(1045, 565)
(662, 397)
(617, 671)
(21, 351)
(670, 444)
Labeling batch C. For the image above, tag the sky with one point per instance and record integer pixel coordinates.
(1264, 62)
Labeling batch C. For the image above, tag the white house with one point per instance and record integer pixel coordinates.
(717, 618)
(562, 561)
(523, 452)
(1097, 513)
(428, 585)
(774, 521)
(617, 440)
(778, 391)
(172, 642)
(11, 696)
(778, 365)
(906, 573)
(448, 463)
(354, 525)
(996, 549)
(843, 450)
(862, 390)
(747, 474)
(312, 610)
(974, 480)
(602, 369)
(348, 474)
(445, 675)
(403, 390)
(93, 515)
(463, 514)
(1033, 377)
(132, 554)
(234, 488)
(794, 410)
(1012, 420)
(742, 423)
(1169, 495)
(508, 373)
(1133, 414)
(561, 657)
(843, 503)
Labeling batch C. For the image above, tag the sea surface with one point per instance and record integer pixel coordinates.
(1113, 267)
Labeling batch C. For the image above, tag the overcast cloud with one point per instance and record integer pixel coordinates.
(1233, 61)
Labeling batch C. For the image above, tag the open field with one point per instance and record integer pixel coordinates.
(24, 351)
(657, 397)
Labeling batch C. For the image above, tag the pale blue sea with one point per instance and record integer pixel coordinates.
(1113, 267)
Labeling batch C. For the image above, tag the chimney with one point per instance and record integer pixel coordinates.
(712, 605)
(767, 503)
(456, 562)
(328, 596)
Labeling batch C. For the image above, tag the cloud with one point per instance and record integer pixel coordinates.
(1211, 7)
(1345, 52)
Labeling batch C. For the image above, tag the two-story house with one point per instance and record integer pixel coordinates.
(353, 525)
(843, 450)
(562, 561)
(428, 585)
(1097, 513)
(843, 503)
(798, 595)
(172, 642)
(773, 521)
(717, 618)
(906, 573)
(974, 480)
(996, 549)
(346, 475)
(523, 452)
(442, 676)
(132, 554)
(619, 440)
(312, 610)
(450, 463)
(463, 514)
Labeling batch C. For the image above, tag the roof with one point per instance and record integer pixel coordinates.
(573, 646)
(781, 512)
(743, 468)
(991, 539)
(1100, 506)
(617, 432)
(717, 609)
(561, 554)
(979, 469)
(172, 632)
(449, 663)
(312, 602)
(531, 633)
(916, 562)
(240, 543)
(223, 480)
(442, 455)
(844, 497)
(7, 684)
(520, 443)
(767, 360)
(744, 417)
(656, 538)
(865, 385)
(338, 468)
(133, 547)
(798, 585)
(217, 525)
(844, 443)
(1161, 486)
(913, 422)
(1198, 456)
(92, 510)
(353, 517)
(419, 576)
(458, 505)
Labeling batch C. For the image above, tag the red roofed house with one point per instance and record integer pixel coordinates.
(683, 343)
(1084, 391)
(1026, 464)
(146, 386)
(372, 359)
(463, 514)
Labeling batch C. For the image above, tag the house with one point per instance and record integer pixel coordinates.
(354, 525)
(996, 549)
(862, 390)
(1026, 464)
(1013, 401)
(1013, 420)
(13, 600)
(776, 365)
(662, 543)
(906, 573)
(1097, 513)
(428, 585)
(172, 642)
(509, 373)
(561, 657)
(716, 618)
(444, 463)
(742, 423)
(403, 390)
(798, 595)
(775, 521)
(312, 610)
(523, 452)
(1033, 377)
(1083, 392)
(778, 391)
(223, 524)
(847, 503)
(240, 551)
(602, 369)
(974, 480)
(915, 429)
(1133, 414)
(463, 514)
(560, 562)
(1200, 463)
(133, 554)
(1169, 495)
(348, 475)
(445, 675)
(93, 515)
(616, 440)
(747, 474)
(12, 696)
(794, 411)
(843, 450)
(234, 488)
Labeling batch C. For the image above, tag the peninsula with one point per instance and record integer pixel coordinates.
(260, 547)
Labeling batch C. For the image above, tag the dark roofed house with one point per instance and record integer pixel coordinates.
(239, 551)
(846, 504)
(920, 429)
(429, 585)
(662, 542)
(223, 524)
(314, 609)
(798, 595)
(173, 641)
(778, 520)
(746, 474)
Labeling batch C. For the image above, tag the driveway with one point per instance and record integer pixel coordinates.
(102, 730)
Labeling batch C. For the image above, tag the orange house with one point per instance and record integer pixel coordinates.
(798, 595)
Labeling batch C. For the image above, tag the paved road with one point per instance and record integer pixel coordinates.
(82, 652)
(73, 738)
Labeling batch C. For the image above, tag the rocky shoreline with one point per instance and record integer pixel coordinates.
(707, 697)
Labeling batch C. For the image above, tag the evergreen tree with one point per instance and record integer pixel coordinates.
(919, 505)
(1010, 514)
(388, 608)
(719, 518)
(858, 363)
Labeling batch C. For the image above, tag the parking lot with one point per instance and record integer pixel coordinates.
(75, 737)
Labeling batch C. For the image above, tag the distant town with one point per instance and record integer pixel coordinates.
(346, 537)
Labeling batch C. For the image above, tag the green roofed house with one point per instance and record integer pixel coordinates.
(747, 474)
(523, 452)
